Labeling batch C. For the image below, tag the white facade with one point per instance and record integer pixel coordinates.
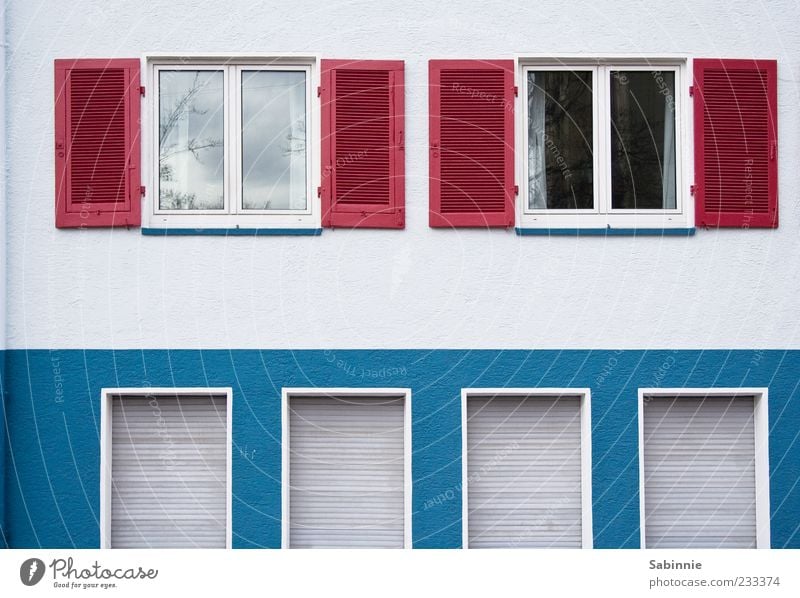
(414, 288)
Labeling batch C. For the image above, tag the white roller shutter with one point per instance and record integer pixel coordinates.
(168, 472)
(699, 470)
(524, 471)
(346, 471)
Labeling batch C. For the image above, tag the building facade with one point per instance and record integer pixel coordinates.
(308, 276)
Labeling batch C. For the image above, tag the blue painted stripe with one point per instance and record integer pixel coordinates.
(52, 407)
(606, 232)
(231, 232)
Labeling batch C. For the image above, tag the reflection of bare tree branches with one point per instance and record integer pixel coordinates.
(182, 108)
(296, 140)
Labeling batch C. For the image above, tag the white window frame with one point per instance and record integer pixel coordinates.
(378, 393)
(602, 216)
(761, 437)
(106, 397)
(232, 216)
(585, 395)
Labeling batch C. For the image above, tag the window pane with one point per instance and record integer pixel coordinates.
(191, 133)
(643, 140)
(274, 140)
(560, 173)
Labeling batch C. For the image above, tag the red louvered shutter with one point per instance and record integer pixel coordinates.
(98, 160)
(471, 143)
(362, 144)
(736, 143)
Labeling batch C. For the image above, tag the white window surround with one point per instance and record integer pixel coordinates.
(106, 396)
(587, 539)
(602, 217)
(154, 218)
(288, 393)
(761, 429)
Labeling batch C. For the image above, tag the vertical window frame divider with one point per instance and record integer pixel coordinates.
(106, 397)
(761, 432)
(288, 392)
(585, 394)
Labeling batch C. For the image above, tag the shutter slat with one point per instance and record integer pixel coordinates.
(736, 164)
(169, 472)
(362, 144)
(703, 497)
(472, 143)
(524, 472)
(346, 472)
(97, 119)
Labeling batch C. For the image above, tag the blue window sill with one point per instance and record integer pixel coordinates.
(231, 232)
(606, 232)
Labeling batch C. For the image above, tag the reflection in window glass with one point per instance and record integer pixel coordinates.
(643, 140)
(274, 140)
(191, 133)
(560, 173)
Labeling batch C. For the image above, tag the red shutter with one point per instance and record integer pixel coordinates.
(736, 143)
(362, 144)
(97, 143)
(471, 143)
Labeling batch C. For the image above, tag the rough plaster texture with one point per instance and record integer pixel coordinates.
(54, 461)
(417, 288)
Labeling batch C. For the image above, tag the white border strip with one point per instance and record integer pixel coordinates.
(405, 393)
(761, 430)
(585, 394)
(105, 449)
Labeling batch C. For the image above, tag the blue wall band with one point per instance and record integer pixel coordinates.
(52, 472)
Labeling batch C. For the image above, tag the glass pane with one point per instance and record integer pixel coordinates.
(643, 140)
(274, 140)
(191, 146)
(560, 172)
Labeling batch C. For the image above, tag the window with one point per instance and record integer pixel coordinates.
(165, 468)
(704, 473)
(602, 146)
(526, 468)
(232, 145)
(346, 468)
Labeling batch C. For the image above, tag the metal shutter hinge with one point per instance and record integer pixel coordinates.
(691, 189)
(691, 90)
(516, 189)
(319, 191)
(516, 91)
(319, 90)
(142, 190)
(141, 90)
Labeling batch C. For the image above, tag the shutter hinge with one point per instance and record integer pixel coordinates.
(516, 91)
(141, 90)
(319, 90)
(319, 191)
(691, 189)
(142, 190)
(516, 189)
(691, 90)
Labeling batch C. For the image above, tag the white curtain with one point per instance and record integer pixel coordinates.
(297, 145)
(668, 158)
(537, 178)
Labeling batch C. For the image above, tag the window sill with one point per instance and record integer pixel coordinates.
(606, 232)
(231, 232)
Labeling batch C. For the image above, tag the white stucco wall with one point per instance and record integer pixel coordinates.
(414, 288)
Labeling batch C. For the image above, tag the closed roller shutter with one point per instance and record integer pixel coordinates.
(169, 472)
(699, 468)
(346, 472)
(524, 471)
